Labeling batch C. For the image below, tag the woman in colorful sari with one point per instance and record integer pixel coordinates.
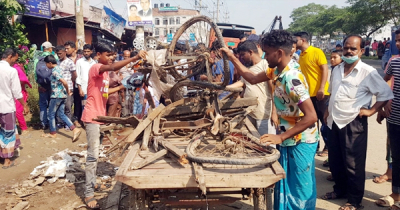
(298, 133)
(19, 107)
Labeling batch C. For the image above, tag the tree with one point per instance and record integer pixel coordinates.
(11, 34)
(305, 17)
(365, 17)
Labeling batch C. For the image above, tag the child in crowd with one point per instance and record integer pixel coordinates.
(336, 58)
(97, 95)
(58, 97)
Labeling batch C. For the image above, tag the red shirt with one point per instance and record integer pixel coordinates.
(97, 95)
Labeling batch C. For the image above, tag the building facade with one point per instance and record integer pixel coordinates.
(167, 20)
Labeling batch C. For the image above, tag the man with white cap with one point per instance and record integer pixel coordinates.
(42, 76)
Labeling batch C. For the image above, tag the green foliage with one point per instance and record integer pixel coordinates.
(11, 35)
(33, 103)
(304, 18)
(362, 17)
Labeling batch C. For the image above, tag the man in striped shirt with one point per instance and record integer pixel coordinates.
(393, 123)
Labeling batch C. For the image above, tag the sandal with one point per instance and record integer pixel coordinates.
(101, 187)
(323, 153)
(380, 179)
(76, 135)
(395, 205)
(331, 196)
(348, 206)
(11, 165)
(97, 206)
(386, 201)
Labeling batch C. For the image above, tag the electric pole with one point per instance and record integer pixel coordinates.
(226, 16)
(217, 11)
(80, 26)
(199, 6)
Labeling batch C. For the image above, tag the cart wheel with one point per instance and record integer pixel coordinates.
(262, 199)
(138, 200)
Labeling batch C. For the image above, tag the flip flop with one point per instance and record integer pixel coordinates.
(350, 207)
(90, 200)
(101, 187)
(11, 165)
(397, 205)
(331, 196)
(380, 180)
(387, 200)
(323, 153)
(76, 135)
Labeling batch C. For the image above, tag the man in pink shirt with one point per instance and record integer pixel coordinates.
(97, 95)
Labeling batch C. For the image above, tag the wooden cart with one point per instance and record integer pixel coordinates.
(165, 182)
(160, 179)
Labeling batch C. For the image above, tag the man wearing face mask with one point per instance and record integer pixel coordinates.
(353, 83)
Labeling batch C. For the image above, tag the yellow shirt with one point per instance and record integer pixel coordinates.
(310, 61)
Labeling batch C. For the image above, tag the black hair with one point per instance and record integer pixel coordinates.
(70, 43)
(280, 39)
(102, 47)
(338, 45)
(9, 51)
(60, 48)
(87, 47)
(50, 59)
(243, 36)
(79, 52)
(215, 46)
(133, 6)
(397, 31)
(93, 55)
(247, 46)
(362, 43)
(340, 52)
(180, 47)
(235, 51)
(303, 35)
(134, 53)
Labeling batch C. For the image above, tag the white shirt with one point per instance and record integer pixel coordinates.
(261, 91)
(352, 92)
(10, 87)
(82, 71)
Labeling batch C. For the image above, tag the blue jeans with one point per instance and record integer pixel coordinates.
(44, 100)
(58, 105)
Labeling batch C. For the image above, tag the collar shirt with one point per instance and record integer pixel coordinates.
(352, 92)
(68, 66)
(83, 66)
(127, 70)
(10, 87)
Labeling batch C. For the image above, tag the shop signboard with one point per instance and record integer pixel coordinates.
(37, 8)
(112, 22)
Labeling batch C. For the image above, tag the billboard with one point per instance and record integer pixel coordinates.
(112, 22)
(68, 6)
(37, 8)
(140, 12)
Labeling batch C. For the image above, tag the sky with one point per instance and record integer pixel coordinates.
(256, 13)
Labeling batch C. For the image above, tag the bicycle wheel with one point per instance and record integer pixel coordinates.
(235, 149)
(196, 31)
(180, 89)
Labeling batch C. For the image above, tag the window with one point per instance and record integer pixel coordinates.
(171, 30)
(157, 21)
(172, 21)
(165, 32)
(157, 32)
(178, 20)
(165, 21)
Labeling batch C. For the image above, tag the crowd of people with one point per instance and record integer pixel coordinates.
(298, 103)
